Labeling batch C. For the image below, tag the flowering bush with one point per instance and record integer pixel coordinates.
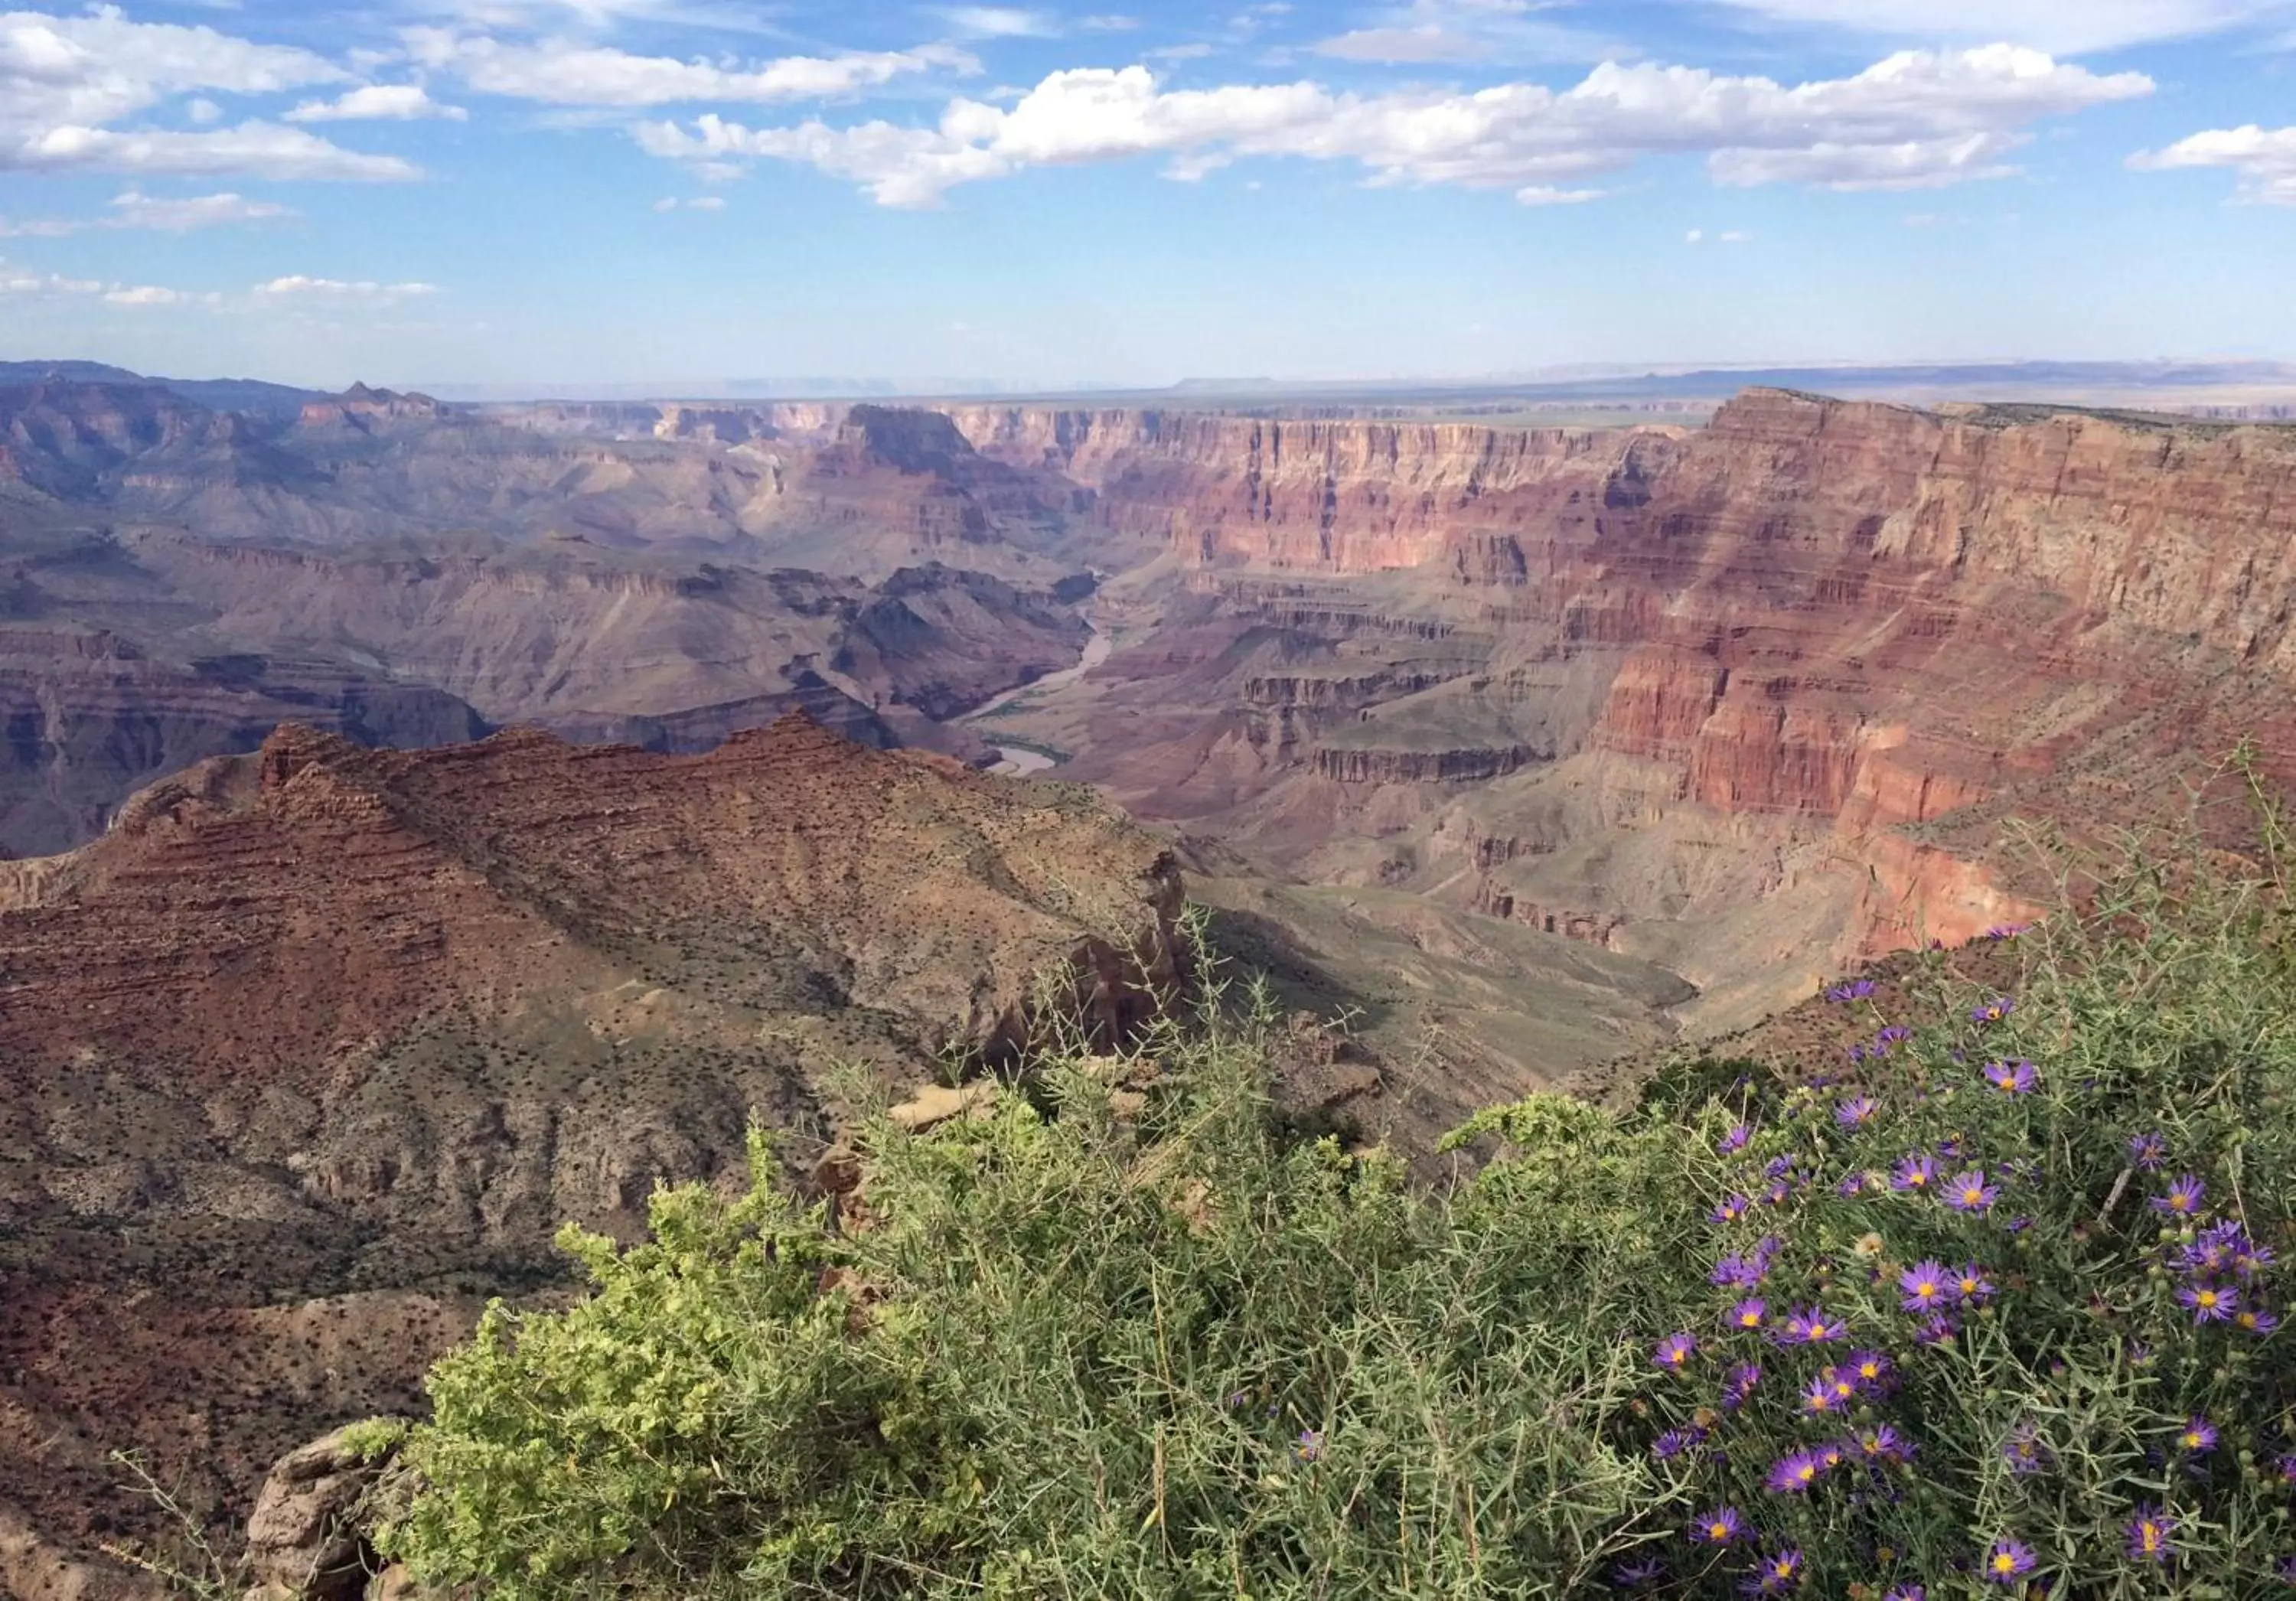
(2004, 1309)
(1990, 1304)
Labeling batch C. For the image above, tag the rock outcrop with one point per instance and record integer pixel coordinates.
(317, 1044)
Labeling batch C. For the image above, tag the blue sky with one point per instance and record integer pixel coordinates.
(1112, 191)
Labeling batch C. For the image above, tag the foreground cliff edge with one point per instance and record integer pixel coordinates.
(317, 1045)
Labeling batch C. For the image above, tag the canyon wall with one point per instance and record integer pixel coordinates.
(1875, 634)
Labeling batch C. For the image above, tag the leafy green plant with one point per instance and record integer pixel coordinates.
(1945, 1317)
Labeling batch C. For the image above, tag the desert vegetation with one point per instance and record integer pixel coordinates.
(1989, 1305)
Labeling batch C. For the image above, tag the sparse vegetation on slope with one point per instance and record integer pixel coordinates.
(1991, 1306)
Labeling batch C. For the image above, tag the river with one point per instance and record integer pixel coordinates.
(1018, 760)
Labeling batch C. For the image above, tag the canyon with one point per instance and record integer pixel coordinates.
(427, 823)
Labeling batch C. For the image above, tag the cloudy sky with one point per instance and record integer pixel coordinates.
(617, 191)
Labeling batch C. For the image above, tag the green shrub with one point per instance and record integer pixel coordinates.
(1069, 1357)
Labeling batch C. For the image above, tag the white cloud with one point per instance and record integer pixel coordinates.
(337, 292)
(1109, 24)
(1425, 32)
(1915, 119)
(1001, 21)
(667, 203)
(706, 202)
(1737, 236)
(2264, 157)
(376, 102)
(17, 282)
(146, 294)
(182, 213)
(258, 149)
(1182, 53)
(1547, 194)
(2069, 27)
(177, 214)
(561, 72)
(1695, 236)
(65, 81)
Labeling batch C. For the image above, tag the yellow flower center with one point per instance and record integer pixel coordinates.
(1718, 1532)
(1971, 1194)
(2003, 1563)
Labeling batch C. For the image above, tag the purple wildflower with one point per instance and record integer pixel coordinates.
(1913, 1173)
(1925, 1287)
(1674, 1442)
(2182, 1198)
(1778, 1193)
(1852, 1184)
(1969, 1192)
(1742, 1272)
(1993, 1011)
(2209, 1303)
(1674, 1353)
(1744, 1379)
(1723, 1526)
(1950, 1148)
(1871, 1369)
(2285, 1571)
(2008, 1562)
(2005, 931)
(2225, 1248)
(1891, 1037)
(1971, 1285)
(2148, 1150)
(1776, 1575)
(1735, 1140)
(1882, 1443)
(2256, 1319)
(1821, 1399)
(1856, 990)
(1908, 1592)
(1634, 1575)
(1809, 1326)
(2018, 1077)
(1937, 1331)
(1732, 1208)
(1749, 1313)
(2198, 1437)
(1794, 1475)
(2148, 1535)
(1309, 1445)
(1855, 1113)
(2023, 1451)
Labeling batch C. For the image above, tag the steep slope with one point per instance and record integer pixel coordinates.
(324, 1022)
(1743, 701)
